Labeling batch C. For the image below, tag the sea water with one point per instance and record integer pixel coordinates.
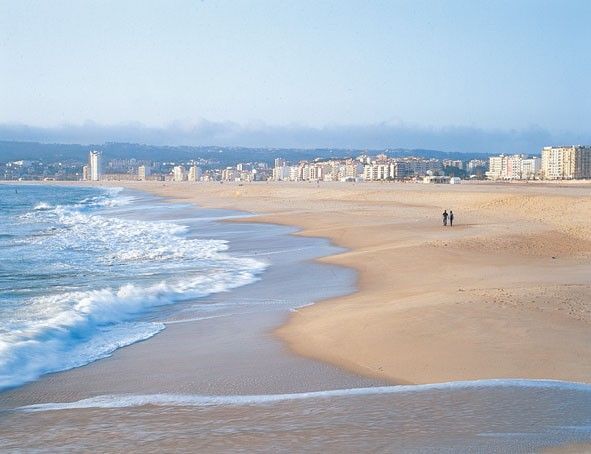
(77, 282)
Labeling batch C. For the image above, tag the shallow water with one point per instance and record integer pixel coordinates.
(470, 417)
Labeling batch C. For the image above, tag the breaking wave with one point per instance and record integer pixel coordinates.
(85, 278)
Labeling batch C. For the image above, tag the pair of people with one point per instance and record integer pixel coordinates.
(448, 216)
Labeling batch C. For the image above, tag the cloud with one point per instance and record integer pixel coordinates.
(376, 136)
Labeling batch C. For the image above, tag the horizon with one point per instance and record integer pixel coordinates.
(451, 140)
(460, 77)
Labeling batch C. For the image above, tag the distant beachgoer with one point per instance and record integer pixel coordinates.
(445, 215)
(451, 218)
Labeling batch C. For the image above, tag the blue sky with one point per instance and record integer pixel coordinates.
(392, 70)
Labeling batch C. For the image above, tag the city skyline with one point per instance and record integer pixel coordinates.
(555, 163)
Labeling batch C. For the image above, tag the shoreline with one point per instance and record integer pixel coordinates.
(492, 297)
(526, 317)
(211, 343)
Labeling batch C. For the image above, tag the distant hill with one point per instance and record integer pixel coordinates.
(46, 152)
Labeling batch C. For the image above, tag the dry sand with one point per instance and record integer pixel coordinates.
(504, 293)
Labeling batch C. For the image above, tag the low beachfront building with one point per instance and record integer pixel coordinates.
(437, 179)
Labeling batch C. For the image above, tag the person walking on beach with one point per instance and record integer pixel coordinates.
(451, 218)
(445, 215)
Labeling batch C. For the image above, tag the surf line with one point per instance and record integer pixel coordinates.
(197, 400)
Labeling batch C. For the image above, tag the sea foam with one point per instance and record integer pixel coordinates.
(119, 268)
(196, 400)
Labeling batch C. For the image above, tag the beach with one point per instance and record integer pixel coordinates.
(504, 293)
(372, 326)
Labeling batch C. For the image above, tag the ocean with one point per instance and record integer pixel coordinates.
(78, 282)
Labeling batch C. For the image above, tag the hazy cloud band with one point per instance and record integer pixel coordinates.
(378, 136)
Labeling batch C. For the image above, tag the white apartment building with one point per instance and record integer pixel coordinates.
(281, 172)
(94, 165)
(293, 173)
(530, 167)
(178, 173)
(393, 169)
(495, 167)
(230, 174)
(143, 172)
(566, 162)
(453, 163)
(376, 172)
(195, 174)
(351, 171)
(513, 167)
(85, 174)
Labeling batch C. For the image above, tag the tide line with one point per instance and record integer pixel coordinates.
(197, 400)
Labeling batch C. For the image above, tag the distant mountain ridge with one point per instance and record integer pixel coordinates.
(52, 152)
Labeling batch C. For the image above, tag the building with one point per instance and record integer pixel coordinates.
(94, 165)
(85, 175)
(477, 166)
(530, 167)
(437, 179)
(230, 174)
(143, 172)
(495, 167)
(195, 173)
(178, 173)
(280, 171)
(453, 163)
(566, 162)
(352, 171)
(421, 167)
(513, 167)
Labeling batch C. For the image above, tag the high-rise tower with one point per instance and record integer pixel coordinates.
(94, 165)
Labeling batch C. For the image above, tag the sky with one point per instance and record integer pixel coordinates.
(454, 75)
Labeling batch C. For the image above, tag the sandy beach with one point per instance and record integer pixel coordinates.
(399, 300)
(505, 293)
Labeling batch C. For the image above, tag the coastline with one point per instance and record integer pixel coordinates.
(229, 382)
(503, 294)
(211, 343)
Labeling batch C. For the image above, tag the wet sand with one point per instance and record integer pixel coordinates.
(504, 293)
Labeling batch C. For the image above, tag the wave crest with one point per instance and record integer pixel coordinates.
(134, 267)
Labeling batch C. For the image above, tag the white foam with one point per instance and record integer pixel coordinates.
(76, 328)
(42, 206)
(197, 400)
(68, 329)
